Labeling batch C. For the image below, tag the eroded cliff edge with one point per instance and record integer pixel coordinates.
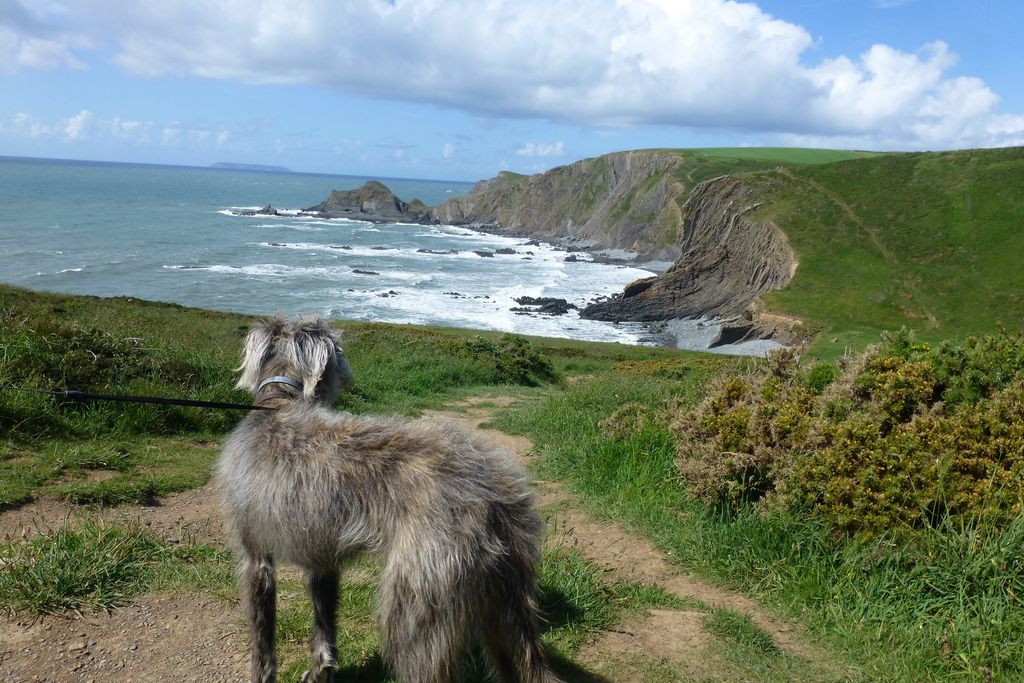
(625, 200)
(727, 262)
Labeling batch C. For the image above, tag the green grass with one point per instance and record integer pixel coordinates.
(923, 241)
(947, 607)
(82, 567)
(87, 566)
(782, 155)
(105, 453)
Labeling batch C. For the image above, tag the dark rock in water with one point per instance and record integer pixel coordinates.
(456, 294)
(344, 246)
(436, 251)
(571, 258)
(485, 254)
(379, 248)
(267, 210)
(545, 304)
(279, 244)
(531, 243)
(365, 272)
(372, 202)
(555, 308)
(388, 294)
(504, 250)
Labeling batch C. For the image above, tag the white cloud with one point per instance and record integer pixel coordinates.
(448, 151)
(79, 125)
(531, 149)
(132, 131)
(31, 37)
(23, 124)
(715, 64)
(86, 126)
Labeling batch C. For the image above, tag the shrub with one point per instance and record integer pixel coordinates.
(513, 359)
(900, 437)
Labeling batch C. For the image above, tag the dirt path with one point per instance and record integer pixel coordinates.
(677, 638)
(196, 637)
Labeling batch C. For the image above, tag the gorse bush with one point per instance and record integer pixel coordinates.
(513, 359)
(901, 437)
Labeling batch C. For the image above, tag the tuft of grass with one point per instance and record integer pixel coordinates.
(740, 629)
(88, 567)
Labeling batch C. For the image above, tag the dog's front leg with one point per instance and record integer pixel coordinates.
(323, 591)
(260, 595)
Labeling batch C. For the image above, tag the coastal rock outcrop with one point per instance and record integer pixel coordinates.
(372, 202)
(625, 200)
(727, 262)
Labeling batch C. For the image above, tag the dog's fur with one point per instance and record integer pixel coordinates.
(450, 516)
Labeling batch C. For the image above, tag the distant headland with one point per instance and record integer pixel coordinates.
(258, 168)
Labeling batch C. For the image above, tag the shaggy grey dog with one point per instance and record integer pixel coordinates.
(450, 516)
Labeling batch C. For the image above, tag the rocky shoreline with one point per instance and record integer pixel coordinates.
(718, 267)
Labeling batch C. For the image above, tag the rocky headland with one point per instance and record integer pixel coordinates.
(621, 201)
(645, 204)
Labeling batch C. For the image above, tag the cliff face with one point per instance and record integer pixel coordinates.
(372, 202)
(626, 200)
(727, 262)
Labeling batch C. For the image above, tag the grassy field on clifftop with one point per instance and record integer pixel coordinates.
(930, 242)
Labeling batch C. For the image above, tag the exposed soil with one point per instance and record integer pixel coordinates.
(196, 637)
(154, 638)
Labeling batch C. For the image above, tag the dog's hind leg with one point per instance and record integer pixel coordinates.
(323, 591)
(260, 595)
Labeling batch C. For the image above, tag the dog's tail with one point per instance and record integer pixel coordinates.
(510, 618)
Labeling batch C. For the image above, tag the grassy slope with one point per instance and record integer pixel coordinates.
(930, 241)
(926, 241)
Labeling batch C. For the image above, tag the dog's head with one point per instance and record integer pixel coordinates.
(305, 351)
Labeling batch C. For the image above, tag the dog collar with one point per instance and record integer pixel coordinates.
(279, 379)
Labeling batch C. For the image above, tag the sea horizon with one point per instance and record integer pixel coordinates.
(213, 167)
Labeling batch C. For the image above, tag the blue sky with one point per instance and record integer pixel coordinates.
(461, 89)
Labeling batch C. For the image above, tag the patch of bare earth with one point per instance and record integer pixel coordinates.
(194, 513)
(155, 638)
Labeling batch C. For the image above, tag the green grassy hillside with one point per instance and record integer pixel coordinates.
(782, 155)
(931, 242)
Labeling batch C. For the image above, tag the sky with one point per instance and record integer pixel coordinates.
(463, 89)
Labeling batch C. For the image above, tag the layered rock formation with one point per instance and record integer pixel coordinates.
(372, 202)
(727, 262)
(625, 200)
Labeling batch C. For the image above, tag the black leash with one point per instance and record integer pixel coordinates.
(72, 395)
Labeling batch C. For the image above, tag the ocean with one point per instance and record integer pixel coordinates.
(174, 234)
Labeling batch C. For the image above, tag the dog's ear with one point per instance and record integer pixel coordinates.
(258, 345)
(313, 344)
